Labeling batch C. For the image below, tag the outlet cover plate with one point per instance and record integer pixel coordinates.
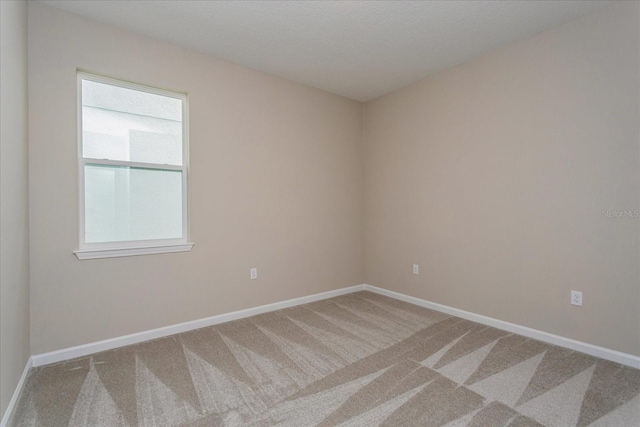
(576, 298)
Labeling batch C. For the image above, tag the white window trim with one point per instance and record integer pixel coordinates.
(139, 247)
(122, 252)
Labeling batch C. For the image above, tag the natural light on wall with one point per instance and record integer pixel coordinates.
(133, 144)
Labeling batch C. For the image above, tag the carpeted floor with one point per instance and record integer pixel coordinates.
(356, 360)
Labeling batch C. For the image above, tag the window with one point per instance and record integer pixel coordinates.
(132, 169)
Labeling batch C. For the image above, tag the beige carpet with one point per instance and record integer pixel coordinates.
(355, 360)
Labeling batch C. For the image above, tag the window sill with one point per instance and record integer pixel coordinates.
(122, 252)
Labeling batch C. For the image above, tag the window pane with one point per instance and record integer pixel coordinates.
(130, 125)
(123, 204)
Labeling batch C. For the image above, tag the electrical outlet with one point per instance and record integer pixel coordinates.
(253, 273)
(576, 298)
(416, 269)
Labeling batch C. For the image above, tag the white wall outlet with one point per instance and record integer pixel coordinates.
(253, 273)
(416, 269)
(576, 298)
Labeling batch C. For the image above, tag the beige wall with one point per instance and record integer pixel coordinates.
(275, 183)
(493, 177)
(14, 203)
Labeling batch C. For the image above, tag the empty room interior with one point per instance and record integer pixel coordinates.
(354, 213)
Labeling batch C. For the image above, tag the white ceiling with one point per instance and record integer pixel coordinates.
(358, 49)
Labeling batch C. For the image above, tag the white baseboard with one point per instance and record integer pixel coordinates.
(95, 347)
(16, 394)
(593, 350)
(86, 349)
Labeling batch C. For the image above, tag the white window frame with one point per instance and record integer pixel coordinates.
(137, 247)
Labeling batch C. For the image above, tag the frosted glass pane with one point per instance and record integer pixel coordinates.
(124, 204)
(130, 125)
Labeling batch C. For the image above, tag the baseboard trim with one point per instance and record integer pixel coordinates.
(91, 348)
(593, 350)
(16, 394)
(108, 344)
